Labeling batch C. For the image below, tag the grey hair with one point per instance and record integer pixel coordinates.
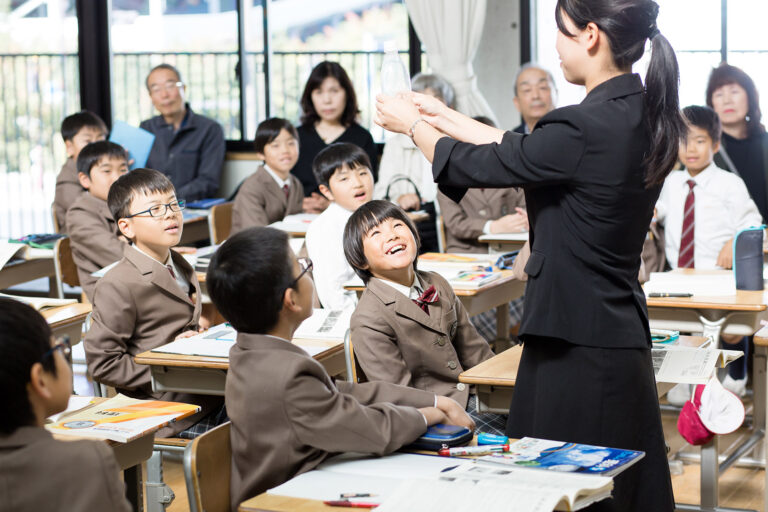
(534, 65)
(443, 89)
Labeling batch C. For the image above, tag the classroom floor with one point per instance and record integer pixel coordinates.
(739, 487)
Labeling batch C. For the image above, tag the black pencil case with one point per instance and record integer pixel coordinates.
(748, 258)
(440, 435)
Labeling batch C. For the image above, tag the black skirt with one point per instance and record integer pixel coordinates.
(598, 396)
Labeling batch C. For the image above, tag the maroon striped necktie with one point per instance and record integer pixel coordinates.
(426, 298)
(286, 190)
(685, 257)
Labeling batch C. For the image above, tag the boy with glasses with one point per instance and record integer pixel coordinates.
(150, 298)
(35, 469)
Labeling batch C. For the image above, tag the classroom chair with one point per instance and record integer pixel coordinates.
(55, 219)
(354, 370)
(66, 270)
(207, 467)
(440, 232)
(220, 222)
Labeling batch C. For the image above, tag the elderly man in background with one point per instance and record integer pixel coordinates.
(535, 94)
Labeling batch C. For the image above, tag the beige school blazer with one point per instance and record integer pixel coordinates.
(138, 306)
(260, 201)
(288, 416)
(396, 341)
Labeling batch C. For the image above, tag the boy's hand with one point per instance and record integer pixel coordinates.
(725, 258)
(454, 413)
(433, 415)
(189, 334)
(409, 202)
(315, 203)
(513, 223)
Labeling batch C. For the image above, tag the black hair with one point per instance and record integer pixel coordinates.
(72, 124)
(336, 156)
(628, 24)
(95, 151)
(320, 72)
(269, 129)
(163, 66)
(725, 74)
(363, 220)
(24, 338)
(704, 118)
(247, 277)
(138, 181)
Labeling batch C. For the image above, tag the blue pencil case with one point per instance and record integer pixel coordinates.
(440, 435)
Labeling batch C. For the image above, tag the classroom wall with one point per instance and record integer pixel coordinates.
(498, 58)
(237, 167)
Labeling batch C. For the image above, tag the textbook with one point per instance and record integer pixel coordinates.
(120, 418)
(40, 303)
(297, 223)
(689, 365)
(206, 204)
(137, 141)
(470, 280)
(18, 251)
(325, 324)
(435, 261)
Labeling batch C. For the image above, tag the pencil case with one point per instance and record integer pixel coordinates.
(440, 435)
(748, 258)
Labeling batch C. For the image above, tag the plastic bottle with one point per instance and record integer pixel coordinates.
(394, 75)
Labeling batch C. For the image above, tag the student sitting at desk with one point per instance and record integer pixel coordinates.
(702, 208)
(287, 414)
(409, 327)
(343, 172)
(77, 130)
(36, 471)
(272, 192)
(150, 298)
(95, 243)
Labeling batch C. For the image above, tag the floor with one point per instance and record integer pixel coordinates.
(739, 487)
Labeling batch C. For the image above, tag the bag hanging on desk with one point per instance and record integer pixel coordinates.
(748, 258)
(427, 228)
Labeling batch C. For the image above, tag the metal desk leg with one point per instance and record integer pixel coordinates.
(712, 328)
(502, 328)
(710, 471)
(133, 487)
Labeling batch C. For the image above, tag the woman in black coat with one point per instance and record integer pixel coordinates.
(591, 173)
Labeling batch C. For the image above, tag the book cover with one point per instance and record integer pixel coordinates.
(472, 279)
(137, 141)
(120, 418)
(566, 457)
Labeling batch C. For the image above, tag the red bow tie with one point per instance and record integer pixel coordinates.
(428, 296)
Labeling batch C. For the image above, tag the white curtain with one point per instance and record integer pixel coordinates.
(451, 31)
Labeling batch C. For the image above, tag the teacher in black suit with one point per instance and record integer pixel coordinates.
(591, 173)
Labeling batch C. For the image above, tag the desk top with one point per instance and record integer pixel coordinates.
(64, 315)
(761, 337)
(748, 301)
(506, 277)
(191, 215)
(220, 363)
(503, 237)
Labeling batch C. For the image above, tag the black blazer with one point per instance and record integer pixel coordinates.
(583, 177)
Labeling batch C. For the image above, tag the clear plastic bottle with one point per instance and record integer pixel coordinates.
(394, 75)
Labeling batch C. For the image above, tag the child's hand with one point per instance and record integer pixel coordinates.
(433, 415)
(409, 202)
(315, 203)
(725, 258)
(454, 413)
(513, 223)
(188, 334)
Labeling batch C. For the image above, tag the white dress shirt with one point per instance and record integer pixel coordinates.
(325, 246)
(412, 292)
(177, 273)
(401, 157)
(722, 208)
(280, 181)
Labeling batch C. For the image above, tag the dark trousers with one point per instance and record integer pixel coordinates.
(598, 396)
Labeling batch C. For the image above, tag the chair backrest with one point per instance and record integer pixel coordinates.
(55, 219)
(220, 222)
(66, 270)
(354, 370)
(207, 470)
(440, 232)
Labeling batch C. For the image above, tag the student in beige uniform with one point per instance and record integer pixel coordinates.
(272, 192)
(409, 327)
(93, 232)
(148, 299)
(287, 414)
(36, 471)
(77, 130)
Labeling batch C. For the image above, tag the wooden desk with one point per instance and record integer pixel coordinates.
(417, 216)
(496, 294)
(207, 375)
(502, 243)
(22, 271)
(761, 341)
(67, 320)
(273, 503)
(130, 457)
(195, 227)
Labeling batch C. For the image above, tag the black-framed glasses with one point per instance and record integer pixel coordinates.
(159, 210)
(506, 260)
(62, 344)
(306, 265)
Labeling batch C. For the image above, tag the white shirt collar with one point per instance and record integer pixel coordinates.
(412, 292)
(703, 178)
(177, 273)
(280, 181)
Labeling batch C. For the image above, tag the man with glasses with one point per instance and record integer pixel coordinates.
(189, 148)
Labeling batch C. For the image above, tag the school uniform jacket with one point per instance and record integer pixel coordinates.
(464, 221)
(260, 201)
(139, 306)
(68, 189)
(36, 473)
(288, 416)
(93, 234)
(588, 207)
(396, 341)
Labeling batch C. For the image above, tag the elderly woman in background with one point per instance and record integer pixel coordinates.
(405, 176)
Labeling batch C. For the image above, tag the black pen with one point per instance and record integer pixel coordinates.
(659, 295)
